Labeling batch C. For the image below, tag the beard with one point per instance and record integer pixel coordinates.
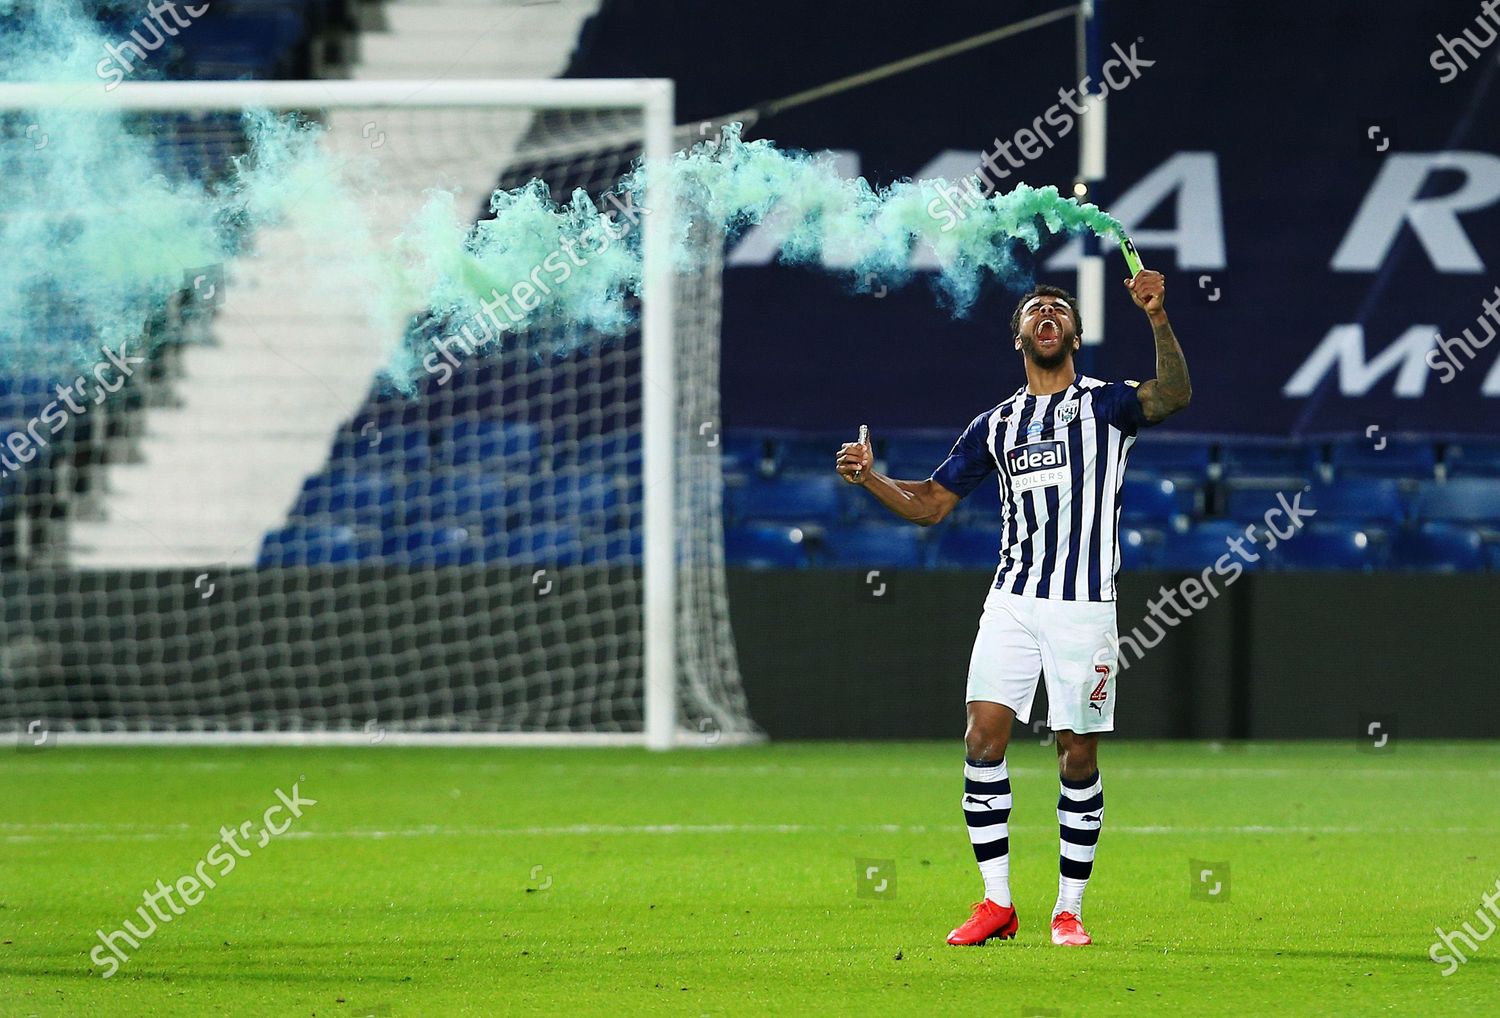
(1048, 361)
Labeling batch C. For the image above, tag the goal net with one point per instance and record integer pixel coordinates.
(258, 535)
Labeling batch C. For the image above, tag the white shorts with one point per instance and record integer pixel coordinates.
(1069, 643)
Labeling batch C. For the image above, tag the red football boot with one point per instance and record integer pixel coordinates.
(987, 921)
(1068, 931)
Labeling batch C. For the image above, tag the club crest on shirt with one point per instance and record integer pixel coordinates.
(1067, 412)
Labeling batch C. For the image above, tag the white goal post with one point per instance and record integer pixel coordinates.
(664, 720)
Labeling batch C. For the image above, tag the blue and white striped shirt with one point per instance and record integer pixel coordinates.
(1061, 461)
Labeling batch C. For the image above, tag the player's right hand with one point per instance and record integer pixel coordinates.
(854, 462)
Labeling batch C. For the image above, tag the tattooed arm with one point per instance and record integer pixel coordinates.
(1171, 389)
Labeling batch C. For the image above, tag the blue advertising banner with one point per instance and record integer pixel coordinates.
(1319, 183)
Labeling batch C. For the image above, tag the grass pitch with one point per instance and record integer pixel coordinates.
(445, 882)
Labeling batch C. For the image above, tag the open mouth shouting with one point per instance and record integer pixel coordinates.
(1048, 333)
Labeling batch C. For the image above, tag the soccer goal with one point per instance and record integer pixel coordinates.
(259, 538)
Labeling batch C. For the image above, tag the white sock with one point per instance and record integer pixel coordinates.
(986, 805)
(1080, 813)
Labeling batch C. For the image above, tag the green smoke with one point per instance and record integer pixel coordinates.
(95, 237)
(101, 233)
(523, 258)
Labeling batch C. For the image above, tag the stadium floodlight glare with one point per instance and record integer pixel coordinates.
(663, 672)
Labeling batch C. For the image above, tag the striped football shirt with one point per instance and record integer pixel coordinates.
(1061, 461)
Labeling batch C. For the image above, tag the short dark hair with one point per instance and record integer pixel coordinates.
(1046, 290)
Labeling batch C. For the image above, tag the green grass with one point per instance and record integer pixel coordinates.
(724, 882)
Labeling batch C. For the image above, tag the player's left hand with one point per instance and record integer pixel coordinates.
(1149, 291)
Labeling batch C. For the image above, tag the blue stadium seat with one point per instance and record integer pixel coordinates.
(1206, 543)
(747, 454)
(765, 546)
(960, 547)
(1280, 460)
(579, 498)
(914, 458)
(1363, 499)
(300, 545)
(751, 451)
(348, 499)
(1395, 458)
(1473, 459)
(618, 546)
(536, 545)
(433, 547)
(791, 498)
(40, 456)
(1439, 547)
(22, 399)
(620, 451)
(480, 442)
(475, 500)
(252, 43)
(1330, 547)
(388, 448)
(1154, 501)
(1355, 500)
(894, 545)
(1154, 455)
(982, 506)
(1139, 548)
(1462, 500)
(809, 454)
(1249, 502)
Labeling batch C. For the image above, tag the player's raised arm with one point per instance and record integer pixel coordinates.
(1171, 389)
(921, 502)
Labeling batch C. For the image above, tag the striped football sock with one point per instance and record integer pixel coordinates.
(987, 814)
(1080, 812)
